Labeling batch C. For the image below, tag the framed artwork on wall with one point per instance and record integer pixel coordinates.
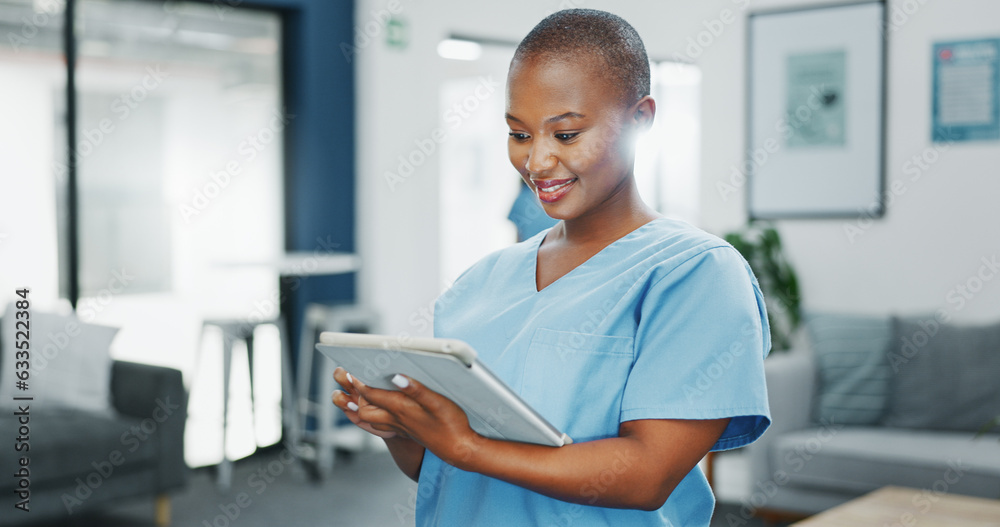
(816, 112)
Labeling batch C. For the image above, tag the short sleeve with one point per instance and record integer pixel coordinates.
(700, 346)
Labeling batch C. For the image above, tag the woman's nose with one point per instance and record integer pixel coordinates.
(540, 159)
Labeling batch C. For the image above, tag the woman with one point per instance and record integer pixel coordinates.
(641, 337)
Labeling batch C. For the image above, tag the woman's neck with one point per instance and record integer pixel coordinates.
(617, 216)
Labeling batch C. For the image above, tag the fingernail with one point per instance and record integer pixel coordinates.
(400, 381)
(352, 406)
(350, 379)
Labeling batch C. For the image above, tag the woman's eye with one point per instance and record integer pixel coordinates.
(518, 136)
(566, 136)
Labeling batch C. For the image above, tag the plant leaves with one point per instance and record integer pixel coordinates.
(990, 425)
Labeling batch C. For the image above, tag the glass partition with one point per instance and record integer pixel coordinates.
(180, 154)
(32, 150)
(179, 151)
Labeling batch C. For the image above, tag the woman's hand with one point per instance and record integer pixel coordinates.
(351, 403)
(407, 453)
(428, 418)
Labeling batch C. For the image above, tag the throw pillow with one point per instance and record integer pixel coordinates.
(70, 362)
(945, 377)
(853, 373)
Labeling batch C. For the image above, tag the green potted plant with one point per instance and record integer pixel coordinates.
(760, 245)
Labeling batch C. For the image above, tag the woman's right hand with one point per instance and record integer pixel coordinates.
(349, 401)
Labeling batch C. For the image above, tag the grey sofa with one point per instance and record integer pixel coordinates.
(859, 407)
(80, 461)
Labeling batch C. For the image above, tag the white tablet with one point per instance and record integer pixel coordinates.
(448, 367)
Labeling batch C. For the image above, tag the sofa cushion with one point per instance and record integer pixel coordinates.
(945, 377)
(852, 369)
(68, 444)
(70, 362)
(861, 459)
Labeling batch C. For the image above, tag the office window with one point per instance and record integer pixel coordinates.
(179, 150)
(32, 149)
(667, 162)
(478, 184)
(180, 158)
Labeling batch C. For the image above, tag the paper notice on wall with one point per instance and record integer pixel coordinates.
(815, 99)
(966, 91)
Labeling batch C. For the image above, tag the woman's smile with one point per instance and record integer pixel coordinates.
(552, 190)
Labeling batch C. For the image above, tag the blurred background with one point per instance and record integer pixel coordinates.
(221, 180)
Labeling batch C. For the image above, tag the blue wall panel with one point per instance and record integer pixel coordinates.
(319, 92)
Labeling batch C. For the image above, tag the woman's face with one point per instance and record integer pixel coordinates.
(570, 135)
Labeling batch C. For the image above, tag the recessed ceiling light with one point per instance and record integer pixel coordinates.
(459, 49)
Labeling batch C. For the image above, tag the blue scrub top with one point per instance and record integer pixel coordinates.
(667, 322)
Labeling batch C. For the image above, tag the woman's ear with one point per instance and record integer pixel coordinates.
(643, 113)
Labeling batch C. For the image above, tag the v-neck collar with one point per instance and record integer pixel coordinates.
(541, 238)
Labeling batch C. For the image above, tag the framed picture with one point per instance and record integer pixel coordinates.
(816, 112)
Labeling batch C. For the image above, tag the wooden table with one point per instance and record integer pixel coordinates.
(905, 507)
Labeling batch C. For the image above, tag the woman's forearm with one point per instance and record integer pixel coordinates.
(407, 454)
(637, 471)
(607, 473)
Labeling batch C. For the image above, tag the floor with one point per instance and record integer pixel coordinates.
(271, 490)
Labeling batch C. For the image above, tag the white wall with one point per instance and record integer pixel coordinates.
(935, 233)
(932, 238)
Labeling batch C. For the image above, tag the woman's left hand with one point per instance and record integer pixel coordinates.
(421, 414)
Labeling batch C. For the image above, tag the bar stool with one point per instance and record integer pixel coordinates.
(233, 330)
(313, 392)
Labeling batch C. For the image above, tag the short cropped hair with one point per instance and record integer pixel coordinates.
(593, 33)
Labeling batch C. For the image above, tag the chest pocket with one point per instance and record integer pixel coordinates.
(576, 381)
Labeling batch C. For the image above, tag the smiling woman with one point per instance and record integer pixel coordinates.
(575, 148)
(605, 323)
(563, 140)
